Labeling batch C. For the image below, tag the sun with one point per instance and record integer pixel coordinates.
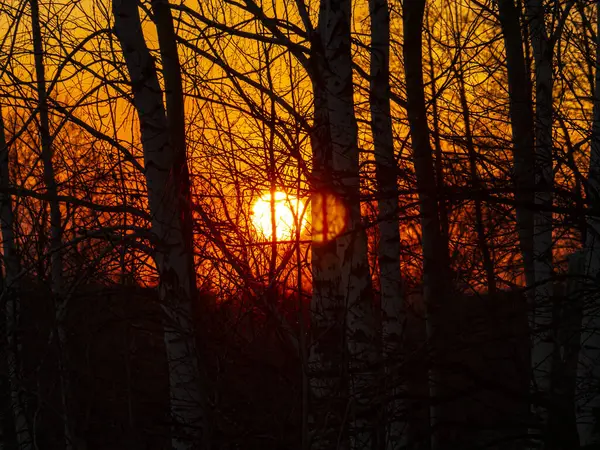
(289, 210)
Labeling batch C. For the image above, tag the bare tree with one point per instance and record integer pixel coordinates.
(351, 247)
(588, 397)
(167, 182)
(521, 119)
(541, 321)
(435, 247)
(12, 296)
(328, 353)
(387, 203)
(56, 230)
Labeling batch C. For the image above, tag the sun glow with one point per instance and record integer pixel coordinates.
(329, 217)
(289, 211)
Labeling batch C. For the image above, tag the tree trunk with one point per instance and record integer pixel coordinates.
(56, 232)
(389, 233)
(588, 395)
(543, 339)
(438, 152)
(342, 318)
(563, 420)
(168, 186)
(435, 249)
(328, 353)
(488, 264)
(12, 293)
(351, 246)
(521, 119)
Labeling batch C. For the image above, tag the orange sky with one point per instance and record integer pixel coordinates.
(227, 147)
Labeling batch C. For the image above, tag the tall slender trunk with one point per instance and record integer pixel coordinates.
(387, 203)
(588, 396)
(168, 186)
(343, 326)
(351, 246)
(541, 321)
(563, 419)
(437, 142)
(488, 264)
(328, 353)
(521, 120)
(435, 250)
(480, 225)
(56, 231)
(12, 293)
(524, 154)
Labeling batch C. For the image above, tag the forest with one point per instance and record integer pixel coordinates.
(300, 224)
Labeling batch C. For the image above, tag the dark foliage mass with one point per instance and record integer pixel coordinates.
(120, 392)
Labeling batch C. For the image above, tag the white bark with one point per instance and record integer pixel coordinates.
(11, 292)
(328, 352)
(351, 246)
(342, 316)
(390, 280)
(167, 182)
(587, 395)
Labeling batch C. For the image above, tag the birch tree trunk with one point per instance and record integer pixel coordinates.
(56, 231)
(328, 354)
(435, 248)
(168, 186)
(588, 395)
(543, 340)
(353, 292)
(387, 202)
(12, 294)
